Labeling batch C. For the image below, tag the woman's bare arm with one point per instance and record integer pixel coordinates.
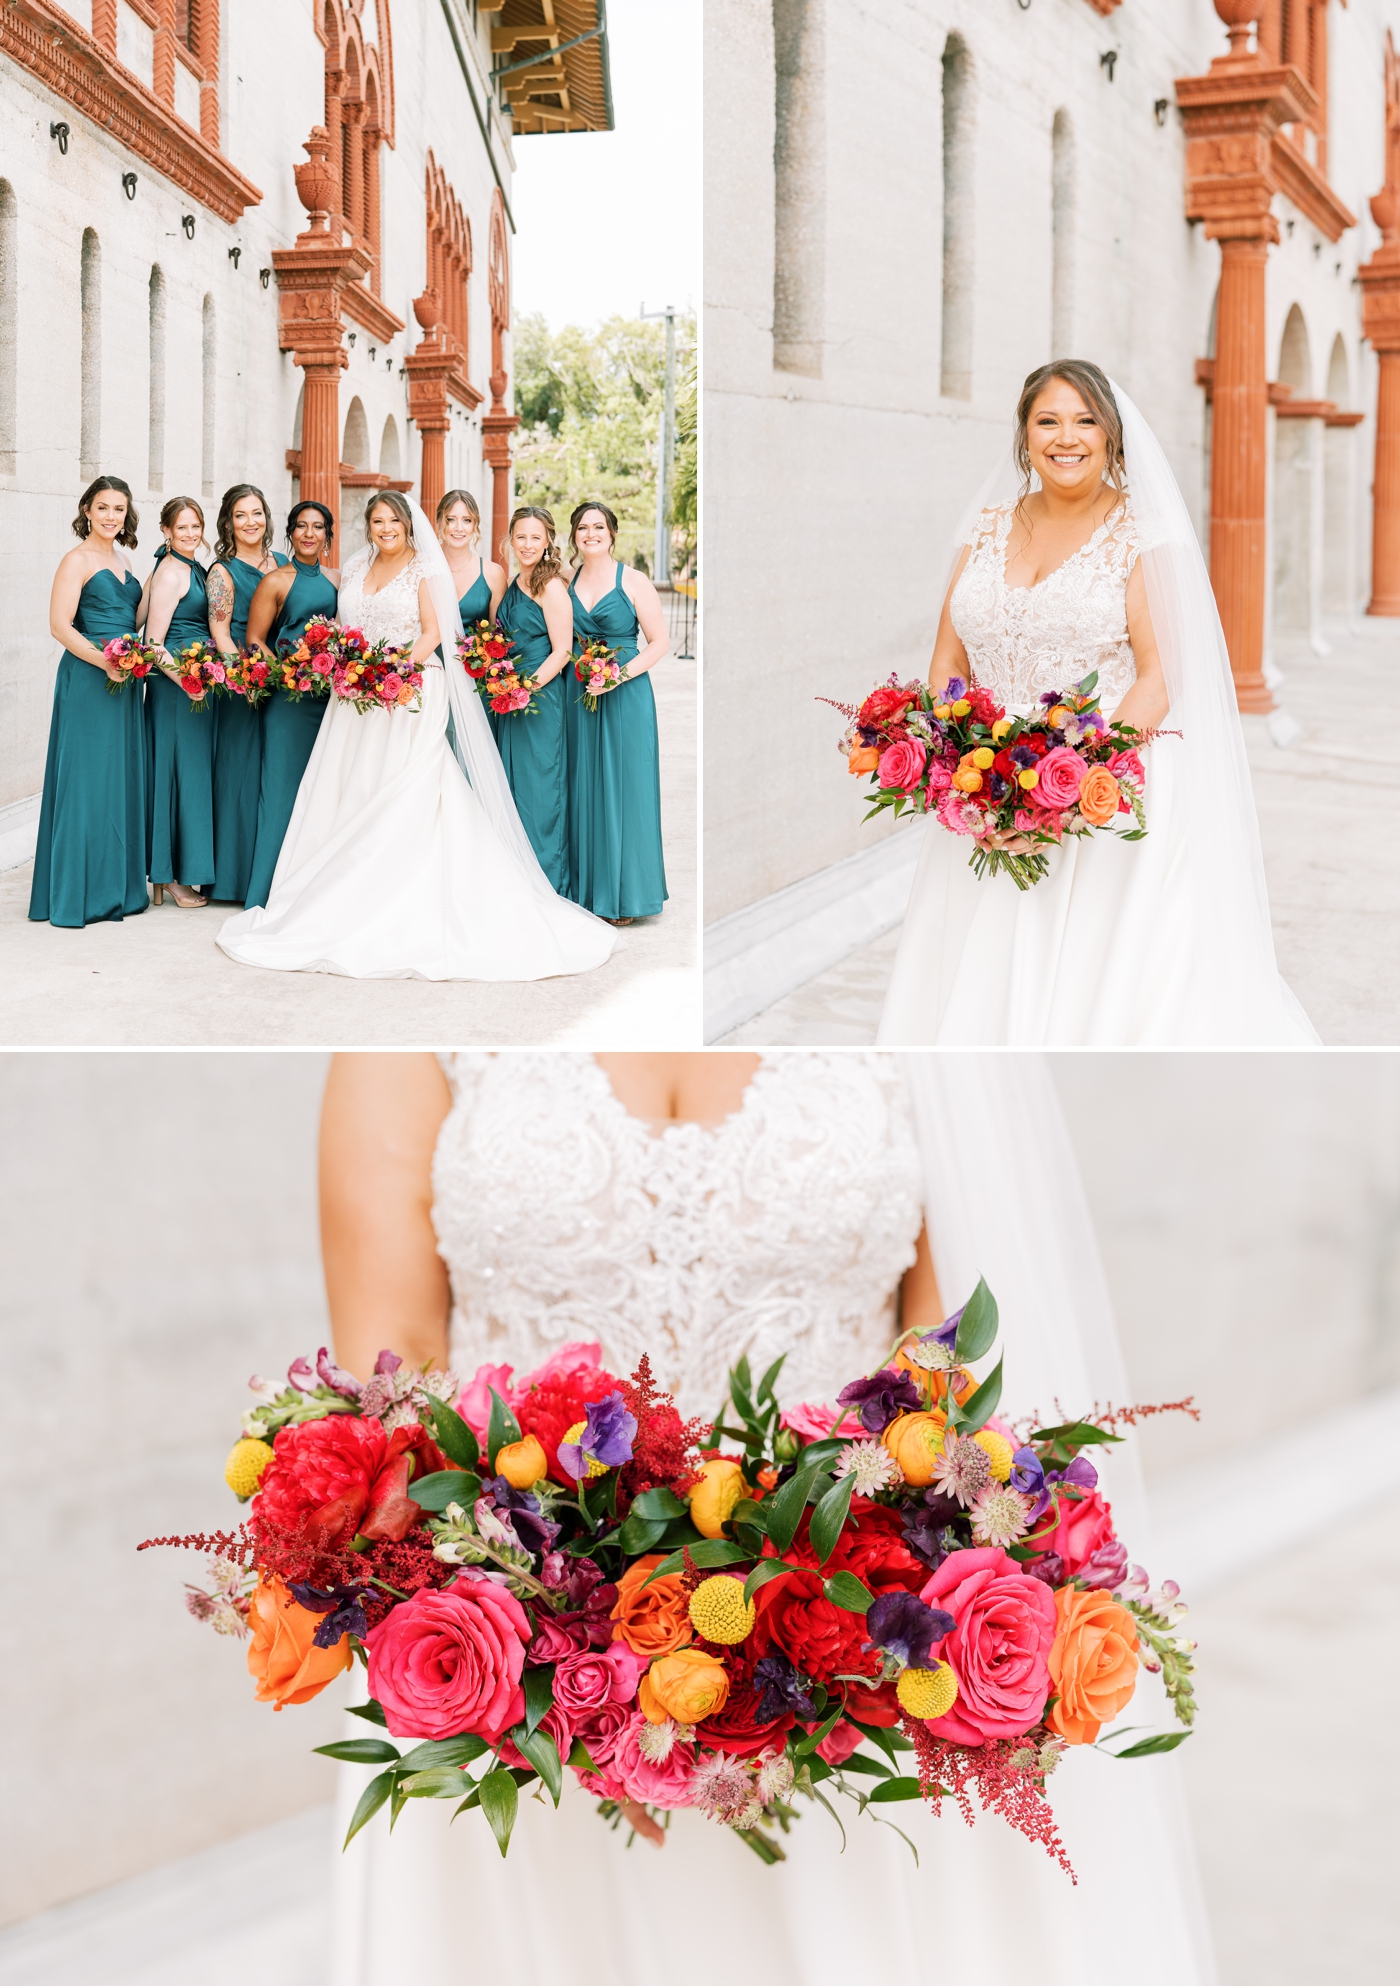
(68, 584)
(427, 613)
(920, 1305)
(266, 605)
(1146, 703)
(949, 655)
(558, 610)
(385, 1281)
(221, 605)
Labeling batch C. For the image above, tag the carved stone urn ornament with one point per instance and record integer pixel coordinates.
(315, 180)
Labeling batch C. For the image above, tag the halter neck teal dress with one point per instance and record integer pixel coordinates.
(180, 754)
(237, 754)
(615, 862)
(90, 861)
(288, 731)
(532, 748)
(475, 603)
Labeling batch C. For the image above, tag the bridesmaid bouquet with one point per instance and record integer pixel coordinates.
(201, 672)
(373, 676)
(304, 661)
(250, 675)
(1014, 785)
(596, 666)
(134, 658)
(898, 1596)
(491, 659)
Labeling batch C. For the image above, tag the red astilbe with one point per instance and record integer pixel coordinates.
(1108, 1417)
(235, 1545)
(1013, 1791)
(408, 1566)
(298, 1557)
(665, 1450)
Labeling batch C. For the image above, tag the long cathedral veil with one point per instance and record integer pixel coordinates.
(1238, 998)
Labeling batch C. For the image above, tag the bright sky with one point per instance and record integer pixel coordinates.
(609, 220)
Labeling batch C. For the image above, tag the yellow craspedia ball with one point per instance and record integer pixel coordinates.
(718, 1612)
(1030, 778)
(928, 1692)
(999, 1452)
(594, 1468)
(244, 1467)
(983, 757)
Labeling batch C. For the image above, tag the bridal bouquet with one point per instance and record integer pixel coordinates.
(373, 675)
(1014, 785)
(492, 661)
(304, 661)
(250, 675)
(896, 1597)
(134, 657)
(596, 666)
(201, 672)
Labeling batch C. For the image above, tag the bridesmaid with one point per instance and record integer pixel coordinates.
(242, 555)
(283, 604)
(479, 584)
(90, 862)
(615, 865)
(539, 620)
(179, 737)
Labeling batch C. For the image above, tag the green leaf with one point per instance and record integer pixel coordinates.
(979, 1407)
(600, 1497)
(453, 1436)
(360, 1751)
(766, 1569)
(473, 1799)
(1082, 1434)
(501, 1430)
(500, 1801)
(843, 1589)
(661, 1503)
(785, 1506)
(444, 1751)
(829, 1517)
(709, 1551)
(977, 1329)
(873, 1768)
(639, 1534)
(755, 1515)
(818, 1453)
(371, 1800)
(442, 1782)
(769, 1379)
(889, 1740)
(446, 1486)
(1165, 1741)
(580, 1759)
(538, 1685)
(817, 1769)
(895, 1789)
(814, 1738)
(372, 1712)
(543, 1754)
(680, 1531)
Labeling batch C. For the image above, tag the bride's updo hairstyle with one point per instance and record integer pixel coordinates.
(82, 523)
(392, 500)
(550, 565)
(455, 497)
(1094, 390)
(609, 517)
(225, 544)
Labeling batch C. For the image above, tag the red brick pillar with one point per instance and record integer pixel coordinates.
(1239, 464)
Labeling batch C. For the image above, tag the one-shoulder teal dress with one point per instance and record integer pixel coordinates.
(288, 732)
(90, 861)
(532, 748)
(237, 754)
(615, 862)
(180, 754)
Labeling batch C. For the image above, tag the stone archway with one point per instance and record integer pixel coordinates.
(1297, 487)
(1338, 494)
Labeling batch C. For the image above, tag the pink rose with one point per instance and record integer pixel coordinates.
(664, 1785)
(1084, 1529)
(902, 764)
(840, 1741)
(999, 1650)
(814, 1422)
(553, 1640)
(474, 1400)
(939, 777)
(446, 1663)
(1127, 766)
(559, 1728)
(1061, 776)
(584, 1682)
(601, 1731)
(570, 1358)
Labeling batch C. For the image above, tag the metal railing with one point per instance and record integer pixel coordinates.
(679, 600)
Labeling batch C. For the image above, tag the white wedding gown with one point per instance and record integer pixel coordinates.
(390, 868)
(785, 1228)
(1103, 952)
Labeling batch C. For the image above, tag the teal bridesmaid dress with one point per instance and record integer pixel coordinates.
(615, 863)
(475, 603)
(237, 755)
(532, 748)
(288, 732)
(180, 754)
(90, 861)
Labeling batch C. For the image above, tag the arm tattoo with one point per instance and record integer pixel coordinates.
(220, 594)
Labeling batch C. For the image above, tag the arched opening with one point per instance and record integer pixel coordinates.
(799, 189)
(955, 367)
(355, 447)
(1062, 270)
(1338, 484)
(155, 420)
(208, 376)
(9, 328)
(90, 386)
(296, 418)
(389, 451)
(1208, 428)
(1295, 477)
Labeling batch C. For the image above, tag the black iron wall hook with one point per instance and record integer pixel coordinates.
(62, 133)
(1107, 60)
(187, 223)
(129, 185)
(233, 256)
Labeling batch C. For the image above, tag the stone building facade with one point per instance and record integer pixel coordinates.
(269, 242)
(910, 207)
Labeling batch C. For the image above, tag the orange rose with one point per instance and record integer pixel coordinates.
(286, 1665)
(914, 1440)
(1093, 1663)
(689, 1686)
(864, 758)
(652, 1620)
(1098, 796)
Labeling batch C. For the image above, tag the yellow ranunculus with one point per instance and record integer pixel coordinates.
(968, 779)
(1000, 728)
(983, 757)
(522, 1463)
(713, 1498)
(914, 1440)
(689, 1686)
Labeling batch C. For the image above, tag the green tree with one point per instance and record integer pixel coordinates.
(684, 481)
(590, 411)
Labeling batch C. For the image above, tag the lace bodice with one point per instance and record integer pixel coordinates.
(1023, 641)
(785, 1228)
(392, 613)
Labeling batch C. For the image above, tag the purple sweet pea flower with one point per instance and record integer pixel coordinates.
(387, 1362)
(1028, 1476)
(879, 1399)
(300, 1375)
(1049, 1568)
(924, 1524)
(907, 1627)
(1108, 1568)
(521, 1510)
(1080, 1474)
(343, 1607)
(783, 1689)
(954, 688)
(335, 1376)
(608, 1432)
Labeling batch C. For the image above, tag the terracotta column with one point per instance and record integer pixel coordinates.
(1380, 321)
(163, 59)
(499, 424)
(104, 23)
(373, 136)
(354, 191)
(428, 370)
(208, 56)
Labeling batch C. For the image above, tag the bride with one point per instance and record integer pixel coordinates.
(1079, 555)
(699, 1207)
(402, 860)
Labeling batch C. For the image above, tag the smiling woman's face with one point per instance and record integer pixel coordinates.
(528, 541)
(107, 513)
(249, 521)
(459, 528)
(592, 533)
(1067, 446)
(185, 533)
(309, 535)
(386, 529)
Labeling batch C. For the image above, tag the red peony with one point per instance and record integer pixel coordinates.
(884, 707)
(736, 1729)
(823, 1640)
(873, 1548)
(329, 1479)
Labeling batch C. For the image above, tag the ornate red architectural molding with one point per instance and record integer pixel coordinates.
(1380, 322)
(499, 424)
(437, 370)
(1236, 161)
(83, 69)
